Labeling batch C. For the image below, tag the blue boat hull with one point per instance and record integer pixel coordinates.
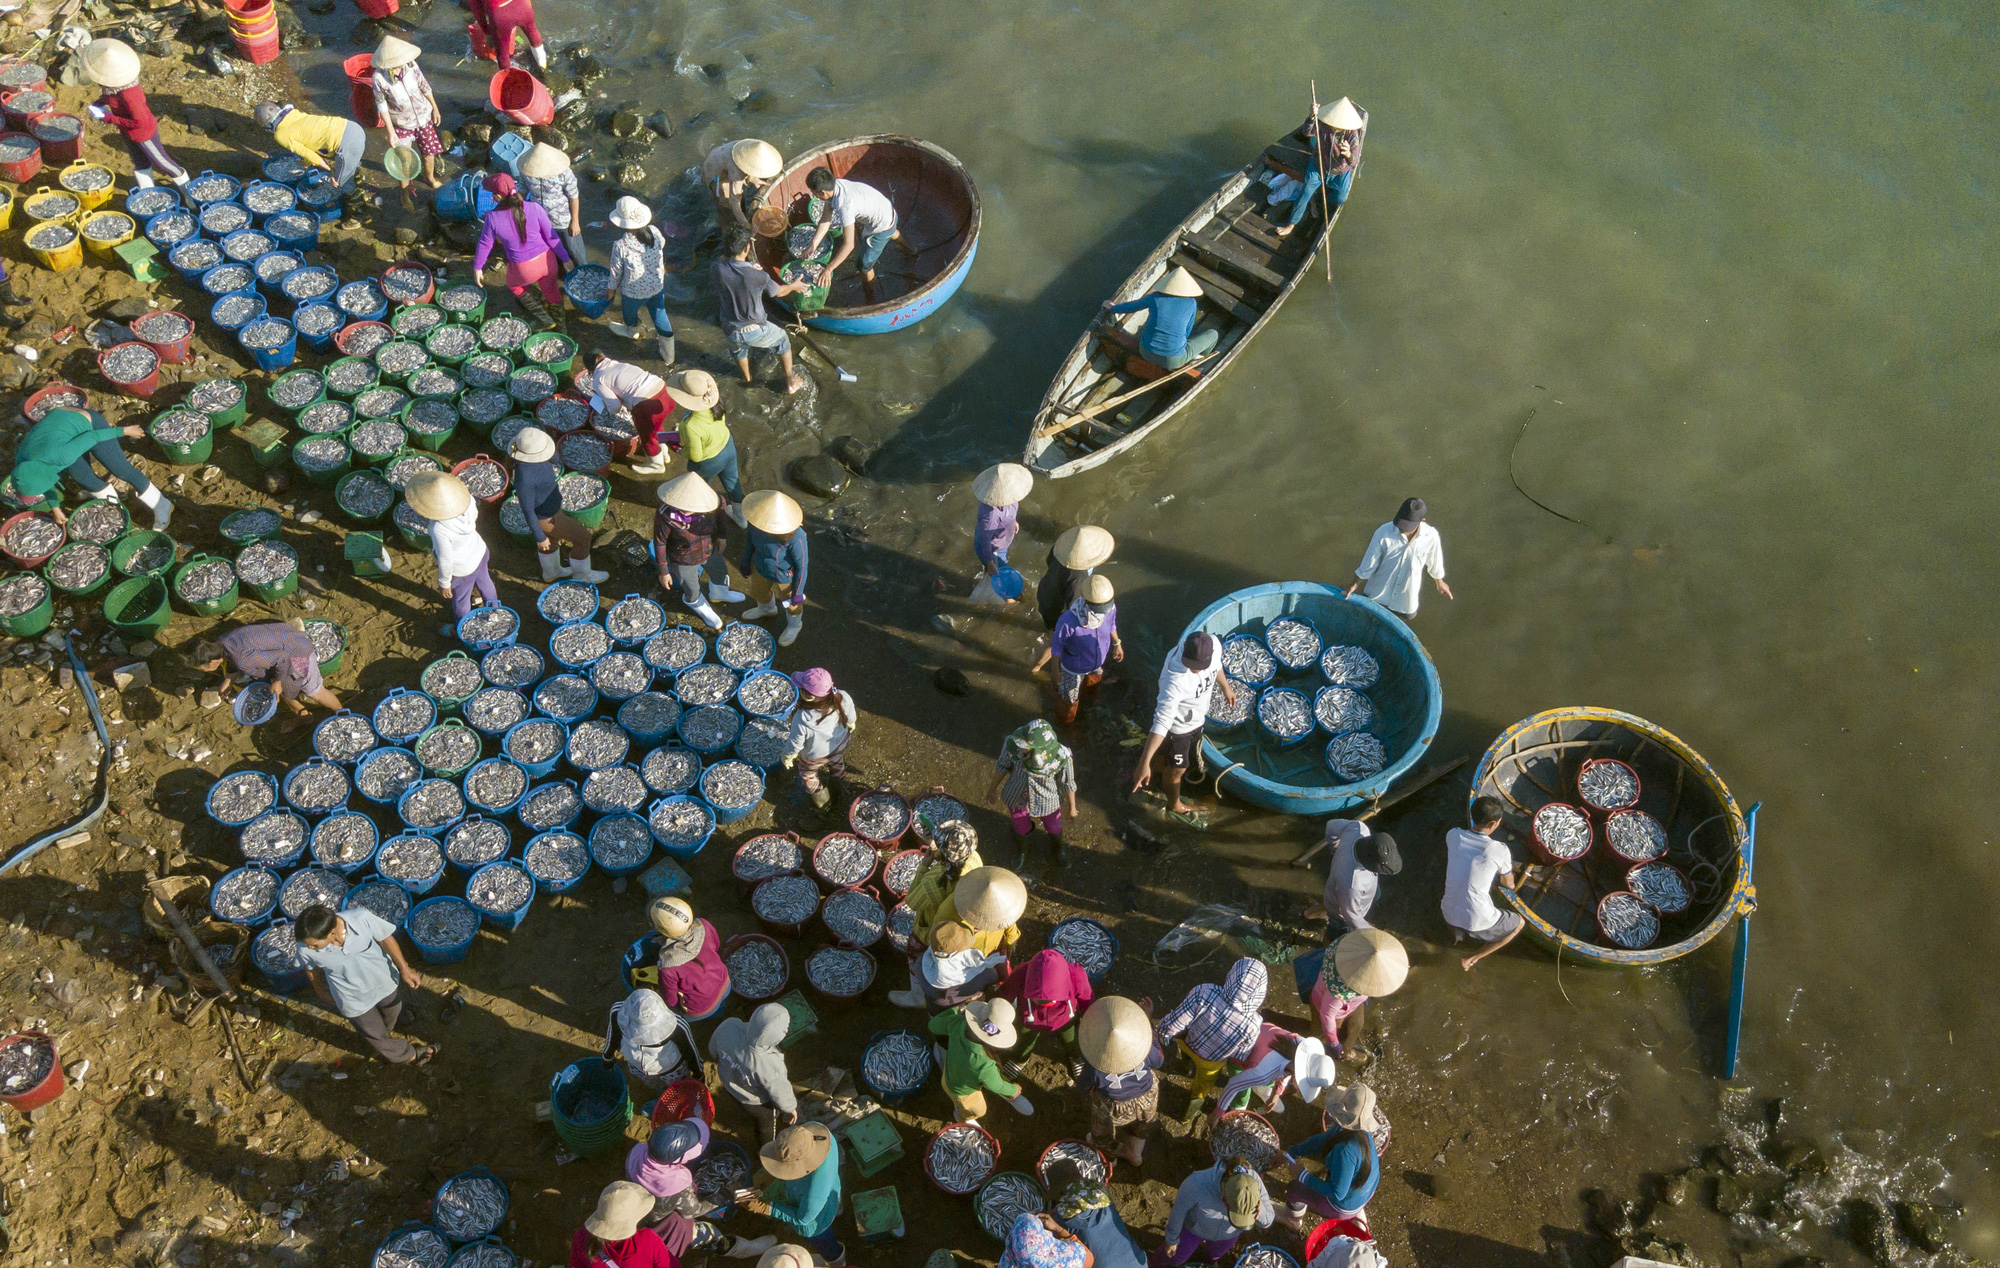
(1408, 700)
(914, 310)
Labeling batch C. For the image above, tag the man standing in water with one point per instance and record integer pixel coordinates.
(1398, 556)
(864, 215)
(1474, 859)
(741, 286)
(1187, 682)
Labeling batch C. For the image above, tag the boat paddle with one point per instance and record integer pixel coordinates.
(1740, 967)
(846, 376)
(1320, 160)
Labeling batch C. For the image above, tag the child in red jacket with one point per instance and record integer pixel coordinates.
(114, 67)
(1052, 995)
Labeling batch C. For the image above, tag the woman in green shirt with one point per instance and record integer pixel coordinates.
(704, 433)
(64, 442)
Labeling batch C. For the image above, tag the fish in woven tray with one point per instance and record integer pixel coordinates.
(614, 790)
(1356, 755)
(675, 648)
(670, 770)
(840, 971)
(900, 1062)
(500, 890)
(495, 783)
(1635, 835)
(680, 824)
(619, 843)
(785, 900)
(387, 774)
(241, 895)
(961, 1158)
(409, 858)
(1562, 830)
(1627, 922)
(476, 843)
(880, 816)
(443, 924)
(311, 887)
(556, 857)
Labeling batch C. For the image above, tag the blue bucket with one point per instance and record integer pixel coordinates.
(724, 817)
(647, 736)
(568, 586)
(537, 770)
(488, 644)
(494, 676)
(645, 602)
(263, 241)
(382, 754)
(656, 773)
(644, 950)
(559, 658)
(398, 740)
(355, 890)
(278, 358)
(1262, 681)
(232, 189)
(286, 169)
(261, 307)
(378, 309)
(482, 807)
(512, 920)
(574, 815)
(681, 728)
(417, 886)
(598, 861)
(320, 196)
(742, 667)
(1311, 665)
(294, 231)
(477, 1173)
(317, 343)
(192, 258)
(892, 1096)
(274, 289)
(256, 918)
(345, 868)
(784, 710)
(250, 192)
(286, 785)
(441, 828)
(1305, 702)
(463, 199)
(545, 885)
(284, 861)
(486, 1251)
(684, 851)
(591, 308)
(145, 202)
(170, 228)
(451, 954)
(217, 280)
(495, 693)
(1098, 976)
(588, 709)
(209, 803)
(282, 981)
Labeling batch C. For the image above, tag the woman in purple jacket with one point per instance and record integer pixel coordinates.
(536, 257)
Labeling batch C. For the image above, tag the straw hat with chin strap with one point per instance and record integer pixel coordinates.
(630, 213)
(797, 1151)
(1341, 114)
(1353, 1107)
(544, 160)
(759, 160)
(989, 898)
(532, 445)
(1372, 962)
(1180, 282)
(393, 53)
(1115, 1035)
(111, 64)
(1085, 546)
(991, 1022)
(769, 511)
(438, 495)
(1003, 484)
(694, 389)
(689, 492)
(619, 1209)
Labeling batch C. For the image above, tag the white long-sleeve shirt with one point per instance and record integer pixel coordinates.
(1394, 568)
(457, 544)
(1184, 694)
(818, 735)
(617, 385)
(638, 270)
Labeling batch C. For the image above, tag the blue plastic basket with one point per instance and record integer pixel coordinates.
(564, 661)
(257, 918)
(643, 600)
(376, 754)
(379, 311)
(441, 828)
(681, 729)
(208, 803)
(400, 740)
(263, 243)
(492, 810)
(592, 308)
(890, 1096)
(213, 283)
(272, 360)
(743, 667)
(312, 270)
(644, 735)
(273, 288)
(296, 230)
(1305, 702)
(644, 950)
(260, 309)
(421, 885)
(473, 822)
(286, 786)
(486, 1251)
(463, 199)
(781, 711)
(291, 199)
(1257, 639)
(536, 770)
(511, 921)
(585, 712)
(280, 861)
(189, 249)
(233, 188)
(1098, 976)
(725, 817)
(1312, 664)
(620, 694)
(282, 981)
(684, 851)
(552, 826)
(546, 600)
(676, 789)
(161, 198)
(552, 886)
(451, 954)
(362, 885)
(488, 644)
(486, 672)
(345, 869)
(526, 709)
(316, 343)
(599, 863)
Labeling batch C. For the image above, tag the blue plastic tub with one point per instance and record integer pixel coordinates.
(281, 357)
(451, 954)
(566, 587)
(158, 200)
(784, 710)
(1305, 702)
(588, 709)
(1085, 920)
(487, 1250)
(345, 868)
(291, 858)
(684, 851)
(233, 188)
(537, 770)
(644, 950)
(208, 803)
(286, 786)
(180, 254)
(362, 886)
(511, 921)
(599, 863)
(263, 241)
(1312, 663)
(256, 918)
(488, 644)
(285, 169)
(478, 1173)
(319, 196)
(316, 343)
(309, 271)
(398, 740)
(742, 667)
(379, 754)
(645, 736)
(380, 309)
(508, 149)
(274, 290)
(589, 308)
(549, 886)
(1259, 680)
(291, 199)
(211, 280)
(171, 228)
(494, 677)
(643, 600)
(232, 327)
(558, 658)
(725, 817)
(463, 199)
(294, 230)
(574, 816)
(281, 981)
(441, 828)
(487, 732)
(420, 885)
(893, 1096)
(681, 728)
(498, 761)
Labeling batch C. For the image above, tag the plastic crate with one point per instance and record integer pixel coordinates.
(508, 149)
(878, 1215)
(804, 1020)
(666, 879)
(873, 1143)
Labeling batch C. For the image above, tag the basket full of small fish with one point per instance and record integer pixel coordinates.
(682, 825)
(732, 788)
(1086, 944)
(758, 967)
(311, 887)
(766, 855)
(842, 860)
(763, 742)
(961, 1157)
(840, 973)
(432, 806)
(647, 716)
(1244, 1134)
(471, 1205)
(614, 790)
(554, 805)
(880, 817)
(1560, 833)
(710, 728)
(674, 649)
(1006, 1198)
(743, 646)
(621, 844)
(345, 841)
(495, 785)
(896, 1064)
(1285, 714)
(488, 627)
(855, 917)
(557, 860)
(621, 675)
(597, 743)
(384, 775)
(501, 892)
(476, 841)
(413, 862)
(766, 693)
(1627, 921)
(785, 904)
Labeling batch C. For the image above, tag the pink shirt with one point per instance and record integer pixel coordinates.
(661, 1179)
(695, 988)
(539, 240)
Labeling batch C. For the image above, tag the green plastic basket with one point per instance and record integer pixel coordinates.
(387, 377)
(373, 378)
(109, 574)
(139, 606)
(221, 603)
(349, 478)
(277, 589)
(331, 665)
(401, 317)
(447, 704)
(221, 420)
(185, 454)
(131, 544)
(32, 622)
(593, 515)
(431, 441)
(557, 368)
(455, 358)
(245, 538)
(325, 479)
(453, 772)
(296, 410)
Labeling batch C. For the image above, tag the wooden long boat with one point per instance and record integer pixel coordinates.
(937, 207)
(1231, 246)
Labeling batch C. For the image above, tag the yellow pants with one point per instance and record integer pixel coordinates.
(971, 1105)
(1207, 1074)
(765, 590)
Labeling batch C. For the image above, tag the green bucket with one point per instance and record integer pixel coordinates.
(82, 592)
(183, 454)
(446, 704)
(403, 317)
(221, 603)
(557, 368)
(593, 515)
(366, 475)
(223, 419)
(590, 1082)
(430, 440)
(450, 772)
(331, 665)
(131, 544)
(235, 527)
(272, 592)
(404, 377)
(327, 478)
(373, 376)
(35, 620)
(469, 317)
(138, 605)
(300, 375)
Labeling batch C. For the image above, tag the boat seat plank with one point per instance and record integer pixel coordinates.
(1234, 259)
(1293, 159)
(1219, 290)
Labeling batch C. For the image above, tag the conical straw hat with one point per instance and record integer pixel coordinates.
(757, 159)
(544, 160)
(1372, 962)
(1115, 1035)
(438, 495)
(1180, 282)
(111, 64)
(1341, 114)
(773, 512)
(392, 52)
(1003, 484)
(689, 492)
(1085, 546)
(989, 898)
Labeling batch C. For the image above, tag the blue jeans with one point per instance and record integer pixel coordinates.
(722, 467)
(872, 248)
(767, 335)
(348, 162)
(1336, 193)
(663, 325)
(112, 459)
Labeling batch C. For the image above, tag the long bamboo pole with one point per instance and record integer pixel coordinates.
(1320, 158)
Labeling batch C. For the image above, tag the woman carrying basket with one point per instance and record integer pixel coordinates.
(405, 103)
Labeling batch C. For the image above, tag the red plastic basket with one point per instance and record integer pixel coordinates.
(1541, 848)
(1593, 764)
(47, 390)
(873, 973)
(1326, 1230)
(340, 340)
(883, 843)
(688, 1098)
(833, 883)
(784, 929)
(961, 1193)
(1042, 1163)
(889, 863)
(52, 1083)
(871, 892)
(736, 859)
(729, 946)
(7, 526)
(506, 477)
(429, 290)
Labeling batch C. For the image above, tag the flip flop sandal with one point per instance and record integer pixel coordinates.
(1190, 818)
(424, 1054)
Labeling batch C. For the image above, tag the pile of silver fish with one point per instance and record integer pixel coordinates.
(855, 917)
(463, 298)
(1006, 1198)
(244, 894)
(266, 334)
(842, 859)
(385, 898)
(431, 804)
(897, 1062)
(1661, 887)
(1635, 835)
(634, 620)
(1562, 830)
(557, 857)
(756, 969)
(785, 900)
(933, 810)
(675, 648)
(344, 839)
(770, 854)
(1247, 1136)
(902, 929)
(670, 770)
(402, 470)
(180, 427)
(458, 341)
(620, 675)
(718, 1175)
(316, 319)
(562, 413)
(484, 405)
(365, 494)
(567, 601)
(763, 742)
(24, 1064)
(275, 949)
(361, 298)
(1348, 666)
(880, 816)
(1263, 1257)
(470, 1206)
(451, 677)
(494, 783)
(732, 784)
(1627, 921)
(553, 349)
(234, 311)
(443, 923)
(565, 696)
(276, 834)
(550, 806)
(515, 665)
(1084, 943)
(961, 1158)
(597, 743)
(349, 376)
(840, 972)
(404, 717)
(22, 593)
(711, 727)
(377, 437)
(705, 684)
(1607, 785)
(302, 285)
(1285, 713)
(149, 202)
(1356, 755)
(221, 219)
(316, 787)
(296, 390)
(899, 873)
(1089, 1163)
(579, 643)
(328, 639)
(477, 842)
(1246, 659)
(430, 418)
(241, 797)
(266, 563)
(614, 790)
(585, 451)
(106, 226)
(311, 887)
(743, 645)
(488, 624)
(409, 858)
(387, 774)
(399, 358)
(620, 843)
(535, 741)
(681, 824)
(1343, 709)
(500, 890)
(767, 693)
(484, 1255)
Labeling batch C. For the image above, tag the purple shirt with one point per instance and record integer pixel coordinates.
(1081, 650)
(993, 532)
(539, 240)
(695, 988)
(258, 649)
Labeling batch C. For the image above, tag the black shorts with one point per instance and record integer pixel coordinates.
(1181, 748)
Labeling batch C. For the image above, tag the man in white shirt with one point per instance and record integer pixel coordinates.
(1398, 556)
(866, 217)
(1474, 859)
(1361, 859)
(1187, 682)
(357, 967)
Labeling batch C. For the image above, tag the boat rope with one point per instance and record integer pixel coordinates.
(1517, 480)
(103, 783)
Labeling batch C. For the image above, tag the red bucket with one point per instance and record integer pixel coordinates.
(729, 947)
(17, 118)
(737, 866)
(22, 170)
(63, 150)
(360, 70)
(377, 9)
(866, 891)
(519, 96)
(843, 882)
(991, 1143)
(52, 1083)
(139, 387)
(340, 340)
(430, 287)
(482, 48)
(885, 843)
(1594, 764)
(688, 1098)
(8, 527)
(874, 971)
(1326, 1230)
(783, 928)
(36, 77)
(1042, 1163)
(1543, 850)
(172, 351)
(47, 390)
(505, 478)
(900, 891)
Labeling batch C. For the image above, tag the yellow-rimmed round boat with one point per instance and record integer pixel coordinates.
(1535, 762)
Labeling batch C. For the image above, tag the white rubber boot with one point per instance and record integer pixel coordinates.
(759, 612)
(723, 594)
(551, 565)
(155, 501)
(540, 54)
(579, 568)
(109, 493)
(794, 622)
(624, 331)
(709, 616)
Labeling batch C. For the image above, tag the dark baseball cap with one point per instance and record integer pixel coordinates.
(1378, 853)
(1199, 649)
(1411, 513)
